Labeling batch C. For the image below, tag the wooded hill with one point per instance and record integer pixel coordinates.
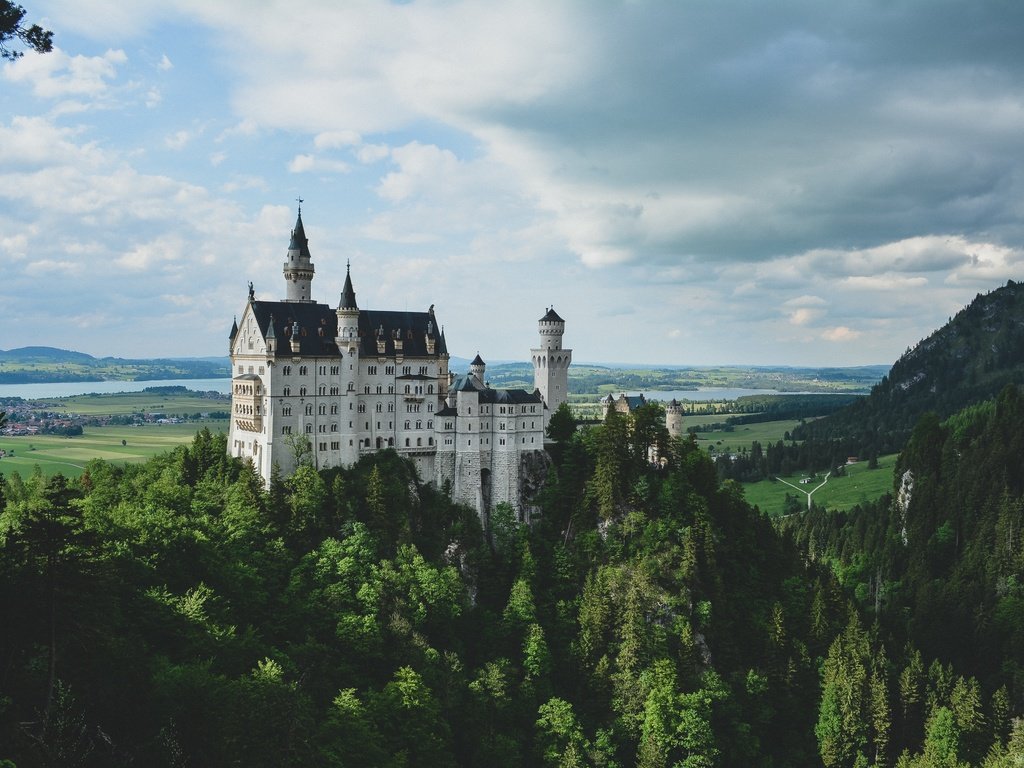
(970, 359)
(37, 365)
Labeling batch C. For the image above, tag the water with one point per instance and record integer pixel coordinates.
(706, 394)
(72, 388)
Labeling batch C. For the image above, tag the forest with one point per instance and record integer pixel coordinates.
(176, 613)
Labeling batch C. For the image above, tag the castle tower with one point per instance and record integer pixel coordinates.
(551, 362)
(478, 368)
(348, 345)
(298, 269)
(674, 419)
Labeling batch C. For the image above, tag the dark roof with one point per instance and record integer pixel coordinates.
(447, 411)
(410, 327)
(318, 326)
(552, 316)
(488, 395)
(348, 295)
(442, 345)
(299, 241)
(234, 328)
(506, 396)
(478, 360)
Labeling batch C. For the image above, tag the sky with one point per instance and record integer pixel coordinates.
(797, 183)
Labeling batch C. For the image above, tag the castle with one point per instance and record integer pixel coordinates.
(339, 384)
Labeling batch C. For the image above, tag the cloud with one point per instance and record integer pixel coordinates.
(335, 139)
(305, 163)
(840, 333)
(164, 65)
(59, 75)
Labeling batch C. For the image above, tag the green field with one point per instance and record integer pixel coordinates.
(126, 403)
(859, 485)
(742, 435)
(68, 455)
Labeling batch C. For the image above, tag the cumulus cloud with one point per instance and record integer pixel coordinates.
(60, 75)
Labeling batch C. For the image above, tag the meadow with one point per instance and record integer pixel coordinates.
(857, 486)
(122, 445)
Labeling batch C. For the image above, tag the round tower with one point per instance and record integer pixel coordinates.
(348, 315)
(477, 369)
(551, 362)
(674, 419)
(298, 269)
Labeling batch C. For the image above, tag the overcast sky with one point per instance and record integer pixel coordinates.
(804, 183)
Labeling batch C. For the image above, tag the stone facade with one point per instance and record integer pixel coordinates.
(352, 381)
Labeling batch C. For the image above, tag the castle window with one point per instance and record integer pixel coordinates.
(430, 441)
(407, 389)
(423, 370)
(408, 425)
(430, 389)
(335, 370)
(309, 429)
(286, 411)
(334, 408)
(391, 407)
(372, 370)
(391, 389)
(322, 390)
(335, 446)
(380, 407)
(334, 427)
(323, 446)
(323, 370)
(286, 430)
(322, 428)
(501, 441)
(407, 442)
(309, 409)
(419, 425)
(419, 441)
(302, 370)
(390, 370)
(430, 425)
(302, 391)
(366, 389)
(335, 391)
(351, 386)
(241, 369)
(407, 370)
(322, 409)
(362, 408)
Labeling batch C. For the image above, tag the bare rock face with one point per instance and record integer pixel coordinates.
(903, 497)
(533, 474)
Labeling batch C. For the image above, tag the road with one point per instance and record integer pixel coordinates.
(808, 493)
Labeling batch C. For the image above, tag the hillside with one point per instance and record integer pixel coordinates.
(37, 365)
(971, 358)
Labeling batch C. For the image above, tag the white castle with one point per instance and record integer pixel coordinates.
(347, 382)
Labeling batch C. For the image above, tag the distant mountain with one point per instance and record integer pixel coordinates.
(968, 360)
(41, 365)
(45, 354)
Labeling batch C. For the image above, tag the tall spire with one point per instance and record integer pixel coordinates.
(348, 295)
(298, 269)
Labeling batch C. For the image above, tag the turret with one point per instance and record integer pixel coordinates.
(271, 337)
(348, 316)
(478, 368)
(298, 269)
(674, 419)
(551, 362)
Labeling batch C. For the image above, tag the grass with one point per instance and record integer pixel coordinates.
(68, 455)
(125, 403)
(742, 435)
(858, 486)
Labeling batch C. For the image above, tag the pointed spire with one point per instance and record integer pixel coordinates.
(442, 345)
(348, 295)
(234, 329)
(270, 329)
(299, 241)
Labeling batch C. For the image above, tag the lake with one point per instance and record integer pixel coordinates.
(71, 388)
(706, 394)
